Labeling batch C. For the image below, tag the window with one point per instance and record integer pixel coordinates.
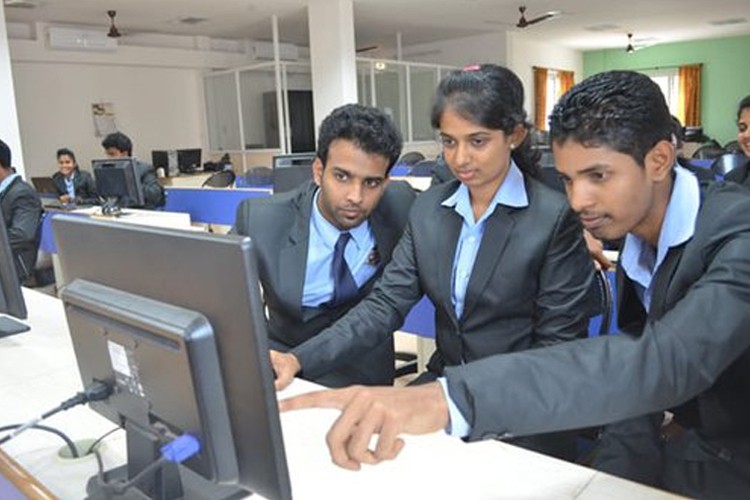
(668, 80)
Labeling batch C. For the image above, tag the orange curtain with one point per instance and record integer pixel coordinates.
(689, 95)
(566, 81)
(540, 98)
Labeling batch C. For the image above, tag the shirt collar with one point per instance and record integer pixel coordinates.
(330, 233)
(512, 193)
(678, 225)
(6, 182)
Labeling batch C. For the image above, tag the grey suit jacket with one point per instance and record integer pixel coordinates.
(529, 286)
(694, 345)
(280, 227)
(22, 212)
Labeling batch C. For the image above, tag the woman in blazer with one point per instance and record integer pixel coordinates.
(500, 255)
(73, 184)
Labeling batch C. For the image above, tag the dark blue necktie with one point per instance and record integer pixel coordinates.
(344, 287)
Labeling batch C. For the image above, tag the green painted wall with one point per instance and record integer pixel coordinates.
(726, 74)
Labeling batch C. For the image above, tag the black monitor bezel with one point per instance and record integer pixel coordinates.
(132, 195)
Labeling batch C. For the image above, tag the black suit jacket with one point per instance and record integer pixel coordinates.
(690, 354)
(22, 212)
(83, 184)
(280, 227)
(740, 174)
(529, 286)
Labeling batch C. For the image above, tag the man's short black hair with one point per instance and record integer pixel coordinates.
(5, 156)
(368, 128)
(622, 110)
(119, 141)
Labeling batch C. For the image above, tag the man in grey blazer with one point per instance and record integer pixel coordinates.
(295, 235)
(118, 145)
(684, 315)
(22, 212)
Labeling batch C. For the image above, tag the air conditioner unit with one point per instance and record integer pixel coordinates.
(264, 50)
(79, 39)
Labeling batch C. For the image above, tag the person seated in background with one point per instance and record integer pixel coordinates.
(322, 246)
(683, 312)
(499, 254)
(118, 145)
(73, 184)
(740, 174)
(22, 212)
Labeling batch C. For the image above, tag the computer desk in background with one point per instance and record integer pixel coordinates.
(38, 370)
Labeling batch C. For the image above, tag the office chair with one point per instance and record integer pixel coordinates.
(732, 147)
(423, 169)
(728, 162)
(708, 151)
(222, 179)
(411, 158)
(258, 176)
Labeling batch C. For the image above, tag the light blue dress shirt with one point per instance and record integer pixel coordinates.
(639, 260)
(512, 193)
(6, 182)
(70, 186)
(318, 288)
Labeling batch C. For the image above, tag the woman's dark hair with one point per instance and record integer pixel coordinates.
(66, 152)
(744, 104)
(491, 96)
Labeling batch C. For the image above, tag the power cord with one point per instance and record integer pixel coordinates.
(61, 434)
(96, 391)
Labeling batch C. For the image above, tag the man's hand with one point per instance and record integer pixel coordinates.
(596, 249)
(286, 366)
(65, 198)
(367, 411)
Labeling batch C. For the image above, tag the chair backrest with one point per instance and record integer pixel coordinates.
(728, 162)
(603, 301)
(732, 147)
(258, 176)
(411, 158)
(423, 169)
(222, 179)
(708, 151)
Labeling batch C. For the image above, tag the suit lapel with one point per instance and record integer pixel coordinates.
(496, 236)
(448, 226)
(663, 279)
(293, 253)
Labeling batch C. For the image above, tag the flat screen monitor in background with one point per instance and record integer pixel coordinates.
(188, 160)
(291, 170)
(118, 182)
(44, 186)
(160, 160)
(11, 298)
(227, 294)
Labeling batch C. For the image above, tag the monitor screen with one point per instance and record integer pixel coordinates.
(160, 160)
(292, 170)
(117, 180)
(188, 160)
(226, 292)
(11, 298)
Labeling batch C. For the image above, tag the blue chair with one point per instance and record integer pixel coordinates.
(728, 162)
(423, 169)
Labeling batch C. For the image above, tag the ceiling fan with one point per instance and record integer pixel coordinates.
(523, 22)
(113, 31)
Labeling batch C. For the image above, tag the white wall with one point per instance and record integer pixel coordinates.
(157, 94)
(489, 48)
(524, 53)
(9, 130)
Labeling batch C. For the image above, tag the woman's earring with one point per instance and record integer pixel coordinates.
(512, 146)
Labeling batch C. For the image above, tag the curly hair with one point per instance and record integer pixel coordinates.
(367, 127)
(491, 96)
(623, 110)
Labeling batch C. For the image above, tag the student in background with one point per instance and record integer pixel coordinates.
(740, 174)
(683, 311)
(298, 236)
(22, 211)
(73, 184)
(500, 255)
(118, 145)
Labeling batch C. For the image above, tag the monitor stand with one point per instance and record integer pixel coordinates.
(10, 326)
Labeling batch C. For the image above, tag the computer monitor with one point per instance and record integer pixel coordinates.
(291, 170)
(188, 160)
(226, 293)
(160, 160)
(11, 298)
(117, 181)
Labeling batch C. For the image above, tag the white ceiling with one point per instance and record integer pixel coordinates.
(584, 24)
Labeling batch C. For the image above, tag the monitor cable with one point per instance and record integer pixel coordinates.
(96, 391)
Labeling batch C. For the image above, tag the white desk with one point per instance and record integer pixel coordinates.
(37, 371)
